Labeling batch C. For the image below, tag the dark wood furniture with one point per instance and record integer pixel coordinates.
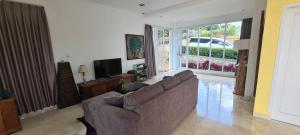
(141, 72)
(100, 86)
(241, 73)
(67, 91)
(9, 119)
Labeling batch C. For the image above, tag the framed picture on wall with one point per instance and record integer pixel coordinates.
(135, 46)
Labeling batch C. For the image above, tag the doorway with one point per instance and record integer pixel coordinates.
(285, 87)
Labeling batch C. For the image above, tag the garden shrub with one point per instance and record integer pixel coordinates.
(215, 52)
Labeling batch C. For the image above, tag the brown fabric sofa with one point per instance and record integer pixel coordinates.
(153, 110)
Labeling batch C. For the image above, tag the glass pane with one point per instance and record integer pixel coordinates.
(160, 37)
(204, 47)
(163, 50)
(233, 32)
(184, 49)
(166, 36)
(193, 48)
(217, 46)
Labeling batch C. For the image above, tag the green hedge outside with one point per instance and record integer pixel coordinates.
(215, 52)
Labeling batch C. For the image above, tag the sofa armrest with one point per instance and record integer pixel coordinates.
(90, 109)
(112, 120)
(90, 106)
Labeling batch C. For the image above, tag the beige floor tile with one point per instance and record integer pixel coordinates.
(218, 112)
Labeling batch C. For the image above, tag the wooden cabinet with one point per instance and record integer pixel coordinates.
(9, 119)
(100, 86)
(67, 91)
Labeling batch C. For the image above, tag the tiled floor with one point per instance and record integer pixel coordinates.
(218, 113)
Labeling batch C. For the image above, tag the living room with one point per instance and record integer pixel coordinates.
(141, 67)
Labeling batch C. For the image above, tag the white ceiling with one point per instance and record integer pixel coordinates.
(177, 11)
(150, 5)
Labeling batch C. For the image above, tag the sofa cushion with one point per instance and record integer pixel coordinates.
(185, 75)
(115, 100)
(170, 82)
(134, 99)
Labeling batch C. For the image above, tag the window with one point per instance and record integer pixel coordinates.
(210, 47)
(215, 41)
(194, 40)
(202, 40)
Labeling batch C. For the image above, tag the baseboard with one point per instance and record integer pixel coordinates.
(31, 114)
(263, 116)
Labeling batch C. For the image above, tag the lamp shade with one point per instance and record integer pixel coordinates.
(82, 69)
(243, 44)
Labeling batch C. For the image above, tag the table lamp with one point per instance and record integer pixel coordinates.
(83, 70)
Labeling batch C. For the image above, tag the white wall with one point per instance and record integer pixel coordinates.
(86, 30)
(254, 43)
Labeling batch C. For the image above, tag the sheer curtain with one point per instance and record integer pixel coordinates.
(175, 50)
(27, 65)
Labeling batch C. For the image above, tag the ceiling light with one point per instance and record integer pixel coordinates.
(142, 4)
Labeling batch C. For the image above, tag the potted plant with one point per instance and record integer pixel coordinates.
(121, 85)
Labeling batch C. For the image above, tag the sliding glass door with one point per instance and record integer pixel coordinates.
(184, 49)
(163, 50)
(233, 32)
(218, 46)
(204, 47)
(210, 47)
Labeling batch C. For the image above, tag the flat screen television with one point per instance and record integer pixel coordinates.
(107, 68)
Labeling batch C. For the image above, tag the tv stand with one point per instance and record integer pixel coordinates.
(106, 77)
(100, 86)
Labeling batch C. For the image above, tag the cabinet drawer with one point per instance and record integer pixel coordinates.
(98, 90)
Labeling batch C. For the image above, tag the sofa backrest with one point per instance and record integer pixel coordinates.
(170, 82)
(185, 75)
(162, 114)
(133, 100)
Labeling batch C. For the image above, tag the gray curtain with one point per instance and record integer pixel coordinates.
(27, 66)
(149, 51)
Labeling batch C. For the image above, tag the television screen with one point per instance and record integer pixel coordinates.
(107, 68)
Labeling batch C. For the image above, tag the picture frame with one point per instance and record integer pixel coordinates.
(135, 46)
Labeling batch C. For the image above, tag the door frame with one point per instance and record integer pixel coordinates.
(282, 50)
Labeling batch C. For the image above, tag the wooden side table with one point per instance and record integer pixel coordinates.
(9, 119)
